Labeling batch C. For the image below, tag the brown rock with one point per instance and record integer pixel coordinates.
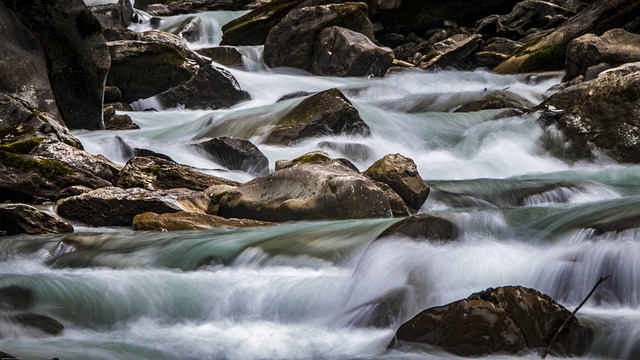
(188, 221)
(401, 174)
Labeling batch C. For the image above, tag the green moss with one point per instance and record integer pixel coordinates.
(312, 158)
(153, 170)
(45, 167)
(215, 199)
(551, 58)
(137, 184)
(429, 56)
(519, 51)
(22, 147)
(333, 188)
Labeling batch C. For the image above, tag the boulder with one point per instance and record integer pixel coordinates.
(23, 66)
(423, 227)
(325, 113)
(26, 219)
(500, 99)
(598, 116)
(398, 206)
(507, 319)
(453, 52)
(308, 192)
(317, 158)
(117, 15)
(72, 191)
(115, 121)
(153, 173)
(29, 324)
(291, 43)
(236, 154)
(14, 297)
(615, 47)
(253, 28)
(215, 193)
(401, 174)
(548, 51)
(495, 51)
(176, 7)
(77, 56)
(117, 207)
(343, 52)
(183, 220)
(225, 55)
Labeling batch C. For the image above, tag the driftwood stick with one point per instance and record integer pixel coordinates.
(566, 321)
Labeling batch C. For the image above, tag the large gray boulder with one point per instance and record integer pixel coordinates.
(307, 192)
(401, 174)
(77, 56)
(615, 47)
(291, 43)
(598, 116)
(154, 173)
(113, 206)
(325, 113)
(343, 52)
(507, 319)
(26, 219)
(236, 154)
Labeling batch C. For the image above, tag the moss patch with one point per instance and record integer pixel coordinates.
(44, 167)
(429, 56)
(551, 58)
(215, 199)
(153, 170)
(21, 147)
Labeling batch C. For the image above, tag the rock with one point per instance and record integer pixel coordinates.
(342, 52)
(25, 219)
(176, 7)
(23, 66)
(183, 220)
(72, 191)
(112, 94)
(291, 43)
(495, 51)
(600, 115)
(501, 99)
(114, 121)
(236, 154)
(4, 355)
(252, 28)
(35, 325)
(507, 319)
(97, 166)
(215, 193)
(615, 47)
(352, 151)
(160, 64)
(153, 173)
(401, 174)
(423, 227)
(77, 56)
(548, 51)
(317, 158)
(398, 206)
(117, 15)
(309, 192)
(127, 151)
(225, 55)
(326, 113)
(14, 297)
(117, 207)
(452, 53)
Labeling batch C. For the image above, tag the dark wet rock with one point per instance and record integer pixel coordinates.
(117, 207)
(401, 174)
(317, 158)
(127, 151)
(183, 220)
(495, 51)
(309, 192)
(253, 28)
(598, 116)
(15, 297)
(33, 324)
(614, 48)
(343, 52)
(548, 51)
(507, 319)
(4, 355)
(236, 154)
(291, 43)
(497, 100)
(112, 94)
(398, 206)
(152, 173)
(453, 52)
(225, 55)
(72, 191)
(115, 121)
(295, 95)
(352, 151)
(176, 7)
(26, 219)
(23, 66)
(423, 227)
(117, 15)
(383, 311)
(326, 113)
(77, 56)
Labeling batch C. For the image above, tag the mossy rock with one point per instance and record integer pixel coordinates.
(551, 58)
(42, 166)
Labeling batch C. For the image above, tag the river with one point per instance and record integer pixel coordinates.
(313, 290)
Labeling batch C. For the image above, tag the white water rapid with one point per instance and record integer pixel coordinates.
(316, 290)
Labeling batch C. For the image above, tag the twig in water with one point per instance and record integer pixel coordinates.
(546, 351)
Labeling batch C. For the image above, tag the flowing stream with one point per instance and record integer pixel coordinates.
(331, 290)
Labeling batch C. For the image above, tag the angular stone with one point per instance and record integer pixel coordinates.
(236, 154)
(401, 174)
(183, 220)
(25, 219)
(423, 227)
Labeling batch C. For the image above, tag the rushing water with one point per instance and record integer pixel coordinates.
(330, 290)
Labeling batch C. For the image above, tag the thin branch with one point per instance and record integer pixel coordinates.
(566, 321)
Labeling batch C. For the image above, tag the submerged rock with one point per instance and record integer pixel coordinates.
(401, 174)
(307, 192)
(15, 297)
(507, 319)
(423, 227)
(183, 220)
(117, 207)
(153, 173)
(30, 324)
(326, 113)
(25, 219)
